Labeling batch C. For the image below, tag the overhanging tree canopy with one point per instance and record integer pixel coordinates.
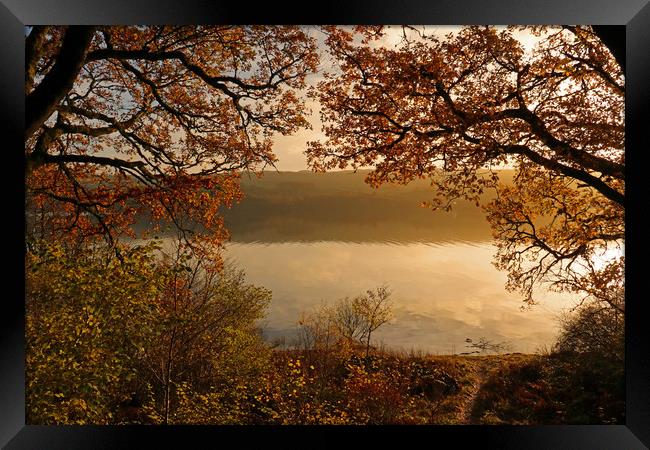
(125, 120)
(457, 109)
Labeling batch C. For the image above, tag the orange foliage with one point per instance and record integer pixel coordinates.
(457, 109)
(137, 121)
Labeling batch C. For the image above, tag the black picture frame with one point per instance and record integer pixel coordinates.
(633, 15)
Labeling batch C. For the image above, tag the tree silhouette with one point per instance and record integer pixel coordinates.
(455, 110)
(155, 119)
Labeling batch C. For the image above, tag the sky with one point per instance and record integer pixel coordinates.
(290, 149)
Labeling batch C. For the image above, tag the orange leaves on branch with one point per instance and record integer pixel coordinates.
(160, 119)
(466, 103)
(458, 109)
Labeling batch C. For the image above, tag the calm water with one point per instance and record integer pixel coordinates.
(315, 238)
(443, 292)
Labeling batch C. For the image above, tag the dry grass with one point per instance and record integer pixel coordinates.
(423, 389)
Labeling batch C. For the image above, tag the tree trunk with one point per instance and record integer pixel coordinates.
(33, 50)
(368, 350)
(167, 390)
(613, 36)
(167, 377)
(168, 385)
(42, 101)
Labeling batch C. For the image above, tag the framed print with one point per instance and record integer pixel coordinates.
(275, 223)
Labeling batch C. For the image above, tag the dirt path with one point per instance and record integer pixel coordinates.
(483, 368)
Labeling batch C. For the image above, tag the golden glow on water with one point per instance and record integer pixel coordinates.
(443, 293)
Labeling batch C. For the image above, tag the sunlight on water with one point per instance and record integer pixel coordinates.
(443, 293)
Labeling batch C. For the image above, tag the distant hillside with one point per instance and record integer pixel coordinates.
(307, 206)
(291, 185)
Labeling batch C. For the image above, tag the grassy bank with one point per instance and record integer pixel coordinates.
(317, 387)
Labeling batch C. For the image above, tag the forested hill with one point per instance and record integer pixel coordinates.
(304, 183)
(340, 206)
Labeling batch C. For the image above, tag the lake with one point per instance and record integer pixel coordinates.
(443, 292)
(314, 238)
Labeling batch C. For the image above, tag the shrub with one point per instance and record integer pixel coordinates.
(594, 328)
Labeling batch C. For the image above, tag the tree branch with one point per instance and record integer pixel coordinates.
(33, 45)
(591, 180)
(613, 36)
(43, 100)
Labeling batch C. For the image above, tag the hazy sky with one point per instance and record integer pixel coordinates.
(290, 149)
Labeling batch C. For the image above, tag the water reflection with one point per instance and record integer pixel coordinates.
(340, 206)
(353, 218)
(443, 292)
(314, 238)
